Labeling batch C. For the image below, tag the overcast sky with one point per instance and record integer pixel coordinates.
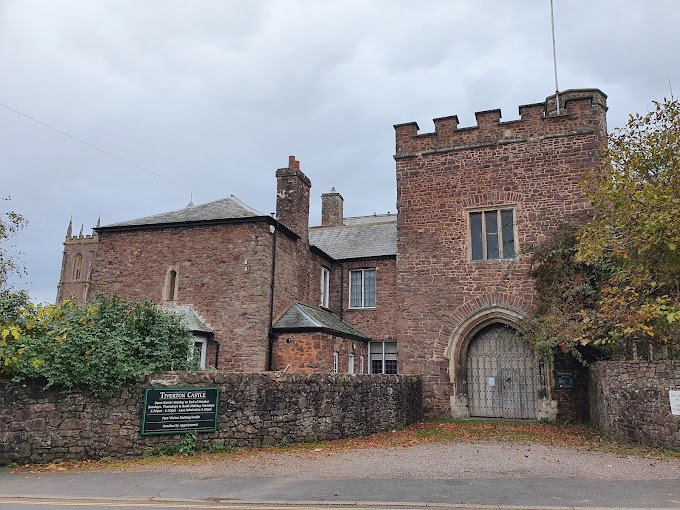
(216, 95)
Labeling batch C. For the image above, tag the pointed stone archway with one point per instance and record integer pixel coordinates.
(484, 321)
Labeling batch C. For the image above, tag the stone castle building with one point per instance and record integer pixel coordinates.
(436, 290)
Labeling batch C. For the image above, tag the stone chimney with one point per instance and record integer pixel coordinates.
(292, 198)
(331, 209)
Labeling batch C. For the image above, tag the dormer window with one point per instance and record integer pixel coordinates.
(78, 266)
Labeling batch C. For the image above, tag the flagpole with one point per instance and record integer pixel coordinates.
(552, 23)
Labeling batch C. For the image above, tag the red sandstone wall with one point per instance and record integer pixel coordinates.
(378, 323)
(224, 272)
(535, 163)
(313, 352)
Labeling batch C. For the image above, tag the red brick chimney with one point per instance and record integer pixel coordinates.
(332, 209)
(292, 198)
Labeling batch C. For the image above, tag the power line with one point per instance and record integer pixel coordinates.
(106, 152)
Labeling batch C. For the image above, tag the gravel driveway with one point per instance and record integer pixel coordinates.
(480, 460)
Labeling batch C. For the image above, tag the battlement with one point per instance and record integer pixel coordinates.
(81, 238)
(582, 111)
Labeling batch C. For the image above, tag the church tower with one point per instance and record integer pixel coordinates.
(77, 264)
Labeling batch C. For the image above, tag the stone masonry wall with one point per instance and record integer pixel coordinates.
(534, 166)
(313, 352)
(216, 266)
(38, 425)
(629, 400)
(379, 322)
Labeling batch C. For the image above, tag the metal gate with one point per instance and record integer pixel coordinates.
(501, 376)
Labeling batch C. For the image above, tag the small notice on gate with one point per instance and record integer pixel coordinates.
(674, 397)
(179, 410)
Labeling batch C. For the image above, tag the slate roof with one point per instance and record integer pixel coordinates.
(304, 317)
(188, 317)
(360, 237)
(226, 209)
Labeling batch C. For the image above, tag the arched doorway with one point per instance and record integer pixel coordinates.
(501, 375)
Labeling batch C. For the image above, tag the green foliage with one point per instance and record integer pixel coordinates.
(10, 224)
(188, 446)
(614, 281)
(219, 449)
(101, 346)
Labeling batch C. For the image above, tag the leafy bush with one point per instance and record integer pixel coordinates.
(101, 346)
(613, 282)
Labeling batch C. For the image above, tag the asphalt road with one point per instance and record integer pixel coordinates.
(451, 475)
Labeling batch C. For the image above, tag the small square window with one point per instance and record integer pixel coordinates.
(362, 288)
(383, 357)
(492, 234)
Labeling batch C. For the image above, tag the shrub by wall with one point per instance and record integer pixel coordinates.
(38, 425)
(629, 400)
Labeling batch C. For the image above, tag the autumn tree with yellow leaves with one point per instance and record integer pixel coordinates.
(613, 281)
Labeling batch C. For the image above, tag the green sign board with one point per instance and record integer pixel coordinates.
(565, 380)
(179, 410)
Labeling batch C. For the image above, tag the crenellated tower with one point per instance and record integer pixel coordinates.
(77, 264)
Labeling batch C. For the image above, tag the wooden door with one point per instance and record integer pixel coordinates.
(501, 376)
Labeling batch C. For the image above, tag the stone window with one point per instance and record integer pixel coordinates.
(78, 266)
(361, 364)
(350, 364)
(325, 279)
(335, 362)
(170, 289)
(362, 288)
(383, 356)
(492, 234)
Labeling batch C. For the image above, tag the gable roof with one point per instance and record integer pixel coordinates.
(360, 237)
(188, 317)
(230, 208)
(301, 317)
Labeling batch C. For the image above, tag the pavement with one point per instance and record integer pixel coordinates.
(451, 476)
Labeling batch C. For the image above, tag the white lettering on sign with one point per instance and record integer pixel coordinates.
(674, 397)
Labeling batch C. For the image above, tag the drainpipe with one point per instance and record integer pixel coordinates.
(342, 289)
(273, 230)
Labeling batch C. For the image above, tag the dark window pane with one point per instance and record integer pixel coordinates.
(508, 234)
(491, 221)
(476, 236)
(376, 366)
(390, 366)
(355, 283)
(369, 288)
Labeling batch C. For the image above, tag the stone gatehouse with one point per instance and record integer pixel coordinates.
(436, 290)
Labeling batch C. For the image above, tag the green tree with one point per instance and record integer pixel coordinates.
(614, 281)
(10, 223)
(101, 346)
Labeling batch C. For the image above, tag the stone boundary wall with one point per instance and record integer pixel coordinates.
(38, 425)
(629, 401)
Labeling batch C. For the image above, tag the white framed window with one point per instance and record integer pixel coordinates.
(361, 364)
(325, 285)
(383, 357)
(492, 234)
(350, 364)
(335, 362)
(362, 288)
(197, 352)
